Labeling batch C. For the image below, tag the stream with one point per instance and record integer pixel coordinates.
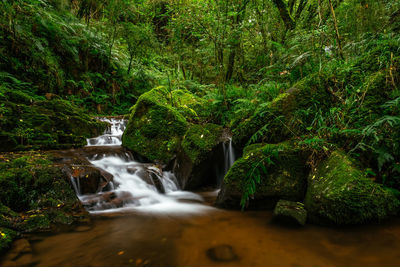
(157, 224)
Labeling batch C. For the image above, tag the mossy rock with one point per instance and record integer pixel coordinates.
(276, 118)
(190, 106)
(159, 121)
(290, 212)
(44, 124)
(155, 128)
(7, 236)
(339, 193)
(36, 195)
(32, 182)
(200, 152)
(284, 179)
(199, 140)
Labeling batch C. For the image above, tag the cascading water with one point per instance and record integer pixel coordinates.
(112, 135)
(229, 155)
(139, 186)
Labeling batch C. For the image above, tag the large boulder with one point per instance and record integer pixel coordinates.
(274, 123)
(88, 179)
(169, 127)
(35, 195)
(198, 156)
(339, 193)
(155, 127)
(282, 171)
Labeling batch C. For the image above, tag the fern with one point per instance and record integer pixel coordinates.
(255, 173)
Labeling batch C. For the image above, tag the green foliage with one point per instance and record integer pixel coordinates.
(257, 169)
(6, 238)
(265, 174)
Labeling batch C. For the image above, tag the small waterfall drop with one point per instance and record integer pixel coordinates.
(112, 135)
(135, 185)
(229, 155)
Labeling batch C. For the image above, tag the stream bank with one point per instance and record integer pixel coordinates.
(213, 238)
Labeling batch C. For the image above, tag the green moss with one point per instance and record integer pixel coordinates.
(284, 179)
(35, 196)
(277, 118)
(248, 149)
(7, 236)
(339, 193)
(45, 124)
(189, 105)
(376, 91)
(158, 122)
(291, 212)
(199, 140)
(36, 223)
(7, 216)
(32, 182)
(155, 128)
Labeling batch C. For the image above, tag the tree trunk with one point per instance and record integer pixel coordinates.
(232, 54)
(130, 63)
(289, 22)
(336, 30)
(112, 42)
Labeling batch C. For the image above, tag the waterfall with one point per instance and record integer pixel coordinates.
(112, 135)
(76, 185)
(136, 185)
(229, 155)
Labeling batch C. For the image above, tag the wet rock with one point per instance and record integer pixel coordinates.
(285, 178)
(151, 174)
(222, 253)
(80, 156)
(198, 159)
(108, 200)
(89, 179)
(155, 127)
(290, 212)
(168, 127)
(339, 193)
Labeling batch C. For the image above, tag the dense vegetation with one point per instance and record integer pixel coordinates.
(293, 80)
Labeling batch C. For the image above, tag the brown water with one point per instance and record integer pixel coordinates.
(241, 239)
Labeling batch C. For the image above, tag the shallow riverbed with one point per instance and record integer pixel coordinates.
(215, 238)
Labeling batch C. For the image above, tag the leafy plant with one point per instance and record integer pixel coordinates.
(254, 175)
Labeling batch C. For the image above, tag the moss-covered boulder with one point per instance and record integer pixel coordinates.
(282, 172)
(198, 155)
(155, 127)
(35, 195)
(339, 193)
(275, 122)
(27, 123)
(169, 127)
(290, 212)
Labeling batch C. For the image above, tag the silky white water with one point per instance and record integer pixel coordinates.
(112, 135)
(139, 186)
(229, 155)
